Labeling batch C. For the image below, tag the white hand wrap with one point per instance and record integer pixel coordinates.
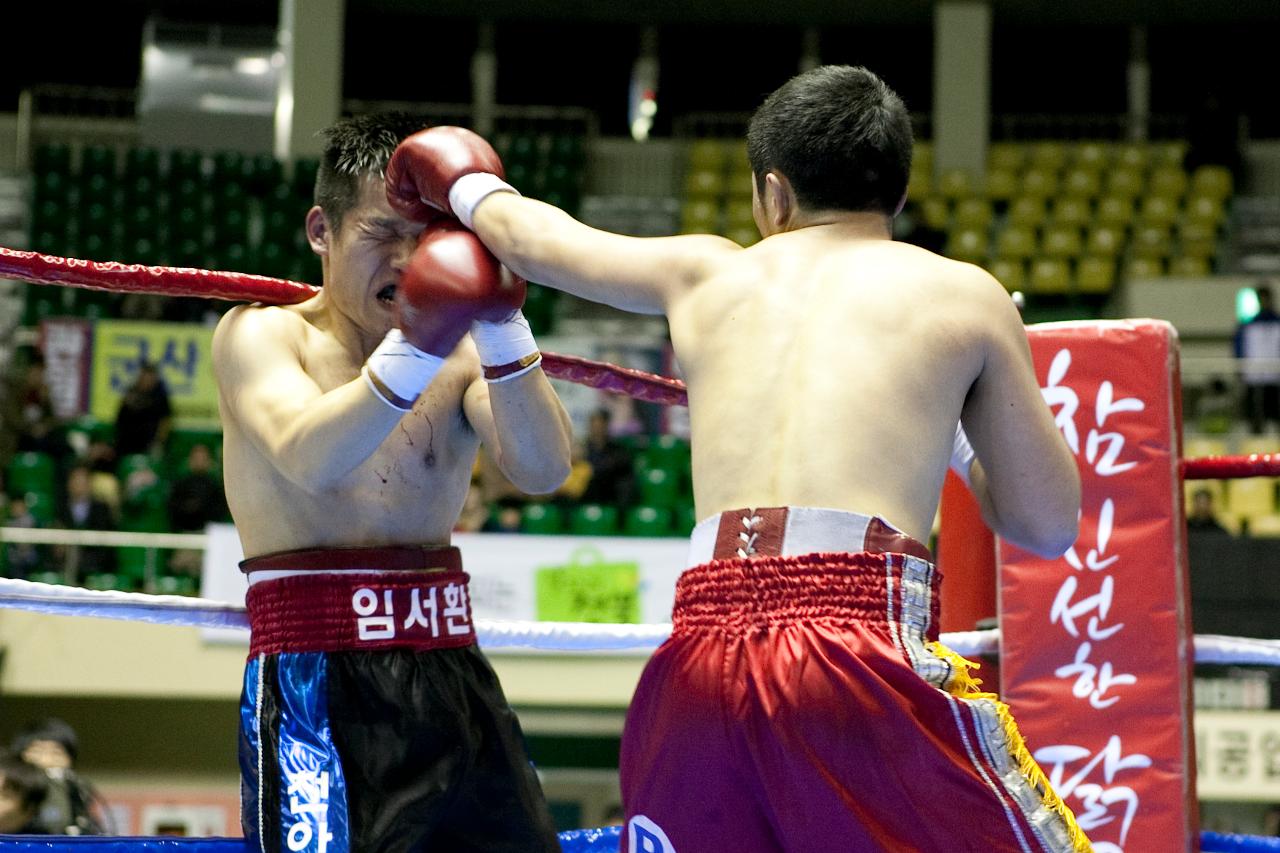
(962, 455)
(507, 349)
(398, 372)
(469, 190)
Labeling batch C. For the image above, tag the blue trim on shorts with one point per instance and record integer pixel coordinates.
(313, 795)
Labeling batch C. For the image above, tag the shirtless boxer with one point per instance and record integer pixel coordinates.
(802, 703)
(369, 719)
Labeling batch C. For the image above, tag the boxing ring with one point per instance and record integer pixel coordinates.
(560, 636)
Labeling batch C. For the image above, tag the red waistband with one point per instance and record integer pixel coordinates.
(397, 558)
(360, 612)
(738, 594)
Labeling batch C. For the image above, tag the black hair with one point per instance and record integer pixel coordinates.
(25, 781)
(50, 728)
(354, 148)
(840, 135)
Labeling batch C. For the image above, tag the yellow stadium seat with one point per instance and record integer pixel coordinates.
(920, 184)
(700, 216)
(706, 155)
(1104, 241)
(1151, 241)
(1252, 496)
(1081, 183)
(1168, 181)
(1265, 526)
(738, 215)
(704, 183)
(922, 152)
(1016, 242)
(1061, 242)
(1001, 184)
(1158, 210)
(1189, 266)
(1124, 182)
(744, 236)
(1050, 276)
(1197, 240)
(735, 153)
(1144, 268)
(1093, 156)
(1197, 446)
(1027, 211)
(1096, 274)
(1204, 210)
(973, 213)
(1134, 156)
(1212, 181)
(1115, 210)
(1010, 272)
(967, 244)
(1039, 183)
(1071, 211)
(1169, 153)
(955, 183)
(1006, 156)
(1048, 155)
(936, 213)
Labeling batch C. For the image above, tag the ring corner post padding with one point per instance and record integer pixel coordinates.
(1096, 647)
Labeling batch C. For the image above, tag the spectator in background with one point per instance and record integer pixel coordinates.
(612, 477)
(506, 517)
(21, 560)
(580, 474)
(28, 415)
(1259, 338)
(53, 746)
(142, 423)
(23, 789)
(197, 497)
(81, 511)
(101, 459)
(1203, 518)
(1217, 407)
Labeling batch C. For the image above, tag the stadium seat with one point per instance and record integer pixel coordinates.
(142, 163)
(967, 244)
(704, 184)
(1168, 181)
(98, 160)
(1039, 183)
(1010, 272)
(1252, 496)
(1093, 156)
(1114, 210)
(1158, 210)
(1151, 241)
(919, 183)
(1144, 268)
(1016, 242)
(1204, 210)
(936, 213)
(973, 213)
(1212, 182)
(955, 184)
(1048, 155)
(648, 521)
(594, 520)
(1081, 183)
(1197, 240)
(1124, 182)
(700, 216)
(684, 519)
(1133, 156)
(31, 471)
(545, 519)
(1096, 274)
(1071, 212)
(1168, 153)
(1006, 156)
(1001, 184)
(174, 585)
(1050, 276)
(1190, 266)
(1027, 211)
(105, 581)
(1061, 242)
(659, 486)
(1104, 241)
(707, 155)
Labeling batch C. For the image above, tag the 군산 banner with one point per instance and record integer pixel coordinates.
(1096, 648)
(181, 351)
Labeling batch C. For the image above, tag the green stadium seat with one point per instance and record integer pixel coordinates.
(1204, 210)
(1158, 210)
(919, 183)
(52, 157)
(1050, 276)
(1061, 242)
(699, 184)
(1006, 156)
(1071, 212)
(1124, 182)
(668, 451)
(659, 486)
(1190, 266)
(649, 521)
(684, 518)
(1213, 182)
(1096, 275)
(185, 164)
(699, 216)
(142, 163)
(545, 519)
(108, 582)
(1168, 181)
(973, 213)
(1114, 210)
(1027, 211)
(1093, 156)
(31, 471)
(1198, 240)
(936, 213)
(1139, 268)
(594, 520)
(707, 155)
(967, 244)
(304, 177)
(743, 235)
(1104, 241)
(53, 186)
(1168, 153)
(1001, 184)
(1151, 241)
(1081, 183)
(174, 585)
(98, 160)
(1016, 242)
(41, 504)
(1133, 156)
(955, 184)
(1039, 183)
(53, 578)
(1048, 155)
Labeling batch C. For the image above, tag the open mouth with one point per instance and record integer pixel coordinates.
(387, 294)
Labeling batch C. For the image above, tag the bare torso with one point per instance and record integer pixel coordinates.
(827, 372)
(409, 491)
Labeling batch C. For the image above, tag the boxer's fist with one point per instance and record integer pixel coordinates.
(425, 166)
(450, 281)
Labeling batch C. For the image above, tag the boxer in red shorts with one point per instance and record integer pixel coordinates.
(802, 703)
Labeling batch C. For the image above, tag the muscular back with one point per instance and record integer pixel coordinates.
(830, 372)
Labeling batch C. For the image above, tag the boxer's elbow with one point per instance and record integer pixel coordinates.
(540, 479)
(1054, 525)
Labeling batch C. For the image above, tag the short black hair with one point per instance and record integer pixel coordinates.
(356, 147)
(25, 781)
(50, 728)
(840, 135)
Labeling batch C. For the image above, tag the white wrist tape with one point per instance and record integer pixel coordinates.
(398, 372)
(469, 190)
(962, 455)
(507, 349)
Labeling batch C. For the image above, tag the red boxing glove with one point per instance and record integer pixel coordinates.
(450, 281)
(425, 166)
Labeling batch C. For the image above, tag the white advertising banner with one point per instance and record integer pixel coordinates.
(1238, 755)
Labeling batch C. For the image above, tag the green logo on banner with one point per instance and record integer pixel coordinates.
(589, 589)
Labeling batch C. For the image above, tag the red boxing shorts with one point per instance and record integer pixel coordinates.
(803, 704)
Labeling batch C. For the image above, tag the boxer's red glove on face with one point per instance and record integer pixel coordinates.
(426, 169)
(450, 282)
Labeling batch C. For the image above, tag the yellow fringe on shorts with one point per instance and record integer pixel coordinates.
(963, 685)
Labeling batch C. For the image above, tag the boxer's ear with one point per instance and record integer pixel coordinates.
(779, 201)
(318, 231)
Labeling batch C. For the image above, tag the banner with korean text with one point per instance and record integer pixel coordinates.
(1096, 646)
(182, 352)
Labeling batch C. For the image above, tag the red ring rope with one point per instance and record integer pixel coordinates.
(1232, 467)
(210, 284)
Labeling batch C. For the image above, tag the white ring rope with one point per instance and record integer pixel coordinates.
(559, 636)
